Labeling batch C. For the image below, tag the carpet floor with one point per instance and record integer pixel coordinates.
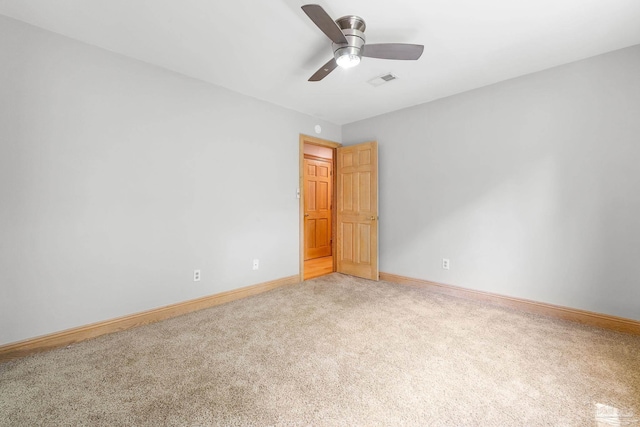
(335, 351)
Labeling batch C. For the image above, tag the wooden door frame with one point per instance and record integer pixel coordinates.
(306, 139)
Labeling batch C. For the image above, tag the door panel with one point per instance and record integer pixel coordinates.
(317, 208)
(357, 210)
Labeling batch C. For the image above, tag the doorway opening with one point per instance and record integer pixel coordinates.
(317, 207)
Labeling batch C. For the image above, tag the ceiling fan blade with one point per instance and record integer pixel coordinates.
(393, 51)
(324, 71)
(324, 22)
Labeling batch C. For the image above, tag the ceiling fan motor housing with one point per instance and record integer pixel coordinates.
(353, 29)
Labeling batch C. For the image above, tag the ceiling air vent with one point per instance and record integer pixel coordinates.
(380, 80)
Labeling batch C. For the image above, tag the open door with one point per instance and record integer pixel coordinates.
(357, 210)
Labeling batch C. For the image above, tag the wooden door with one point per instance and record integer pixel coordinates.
(357, 210)
(317, 208)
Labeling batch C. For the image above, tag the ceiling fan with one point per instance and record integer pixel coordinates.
(347, 35)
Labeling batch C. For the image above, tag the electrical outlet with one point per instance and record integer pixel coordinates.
(196, 275)
(256, 264)
(445, 263)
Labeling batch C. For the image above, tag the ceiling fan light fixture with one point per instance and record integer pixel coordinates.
(347, 56)
(348, 42)
(348, 60)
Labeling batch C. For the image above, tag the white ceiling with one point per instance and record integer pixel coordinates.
(268, 49)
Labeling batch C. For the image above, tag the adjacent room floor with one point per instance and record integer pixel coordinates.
(318, 267)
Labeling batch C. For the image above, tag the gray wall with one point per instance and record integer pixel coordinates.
(531, 186)
(118, 179)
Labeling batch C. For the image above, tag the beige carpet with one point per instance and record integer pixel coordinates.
(335, 351)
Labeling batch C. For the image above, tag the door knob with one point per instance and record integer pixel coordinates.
(373, 218)
(306, 214)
